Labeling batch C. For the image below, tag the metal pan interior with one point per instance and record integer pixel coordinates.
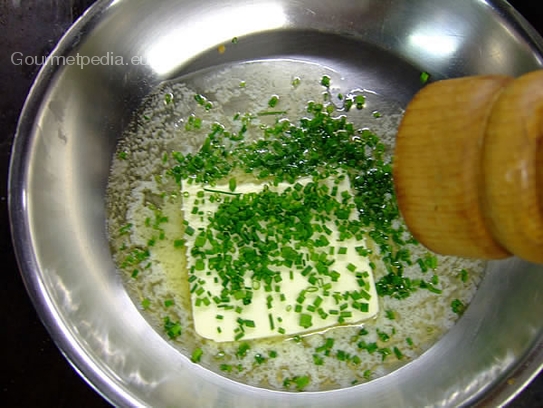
(74, 116)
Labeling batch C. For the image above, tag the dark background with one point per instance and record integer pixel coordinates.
(33, 371)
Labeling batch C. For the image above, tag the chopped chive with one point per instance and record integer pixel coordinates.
(385, 351)
(232, 184)
(390, 314)
(360, 100)
(145, 303)
(325, 81)
(301, 382)
(422, 265)
(424, 77)
(173, 329)
(125, 229)
(317, 359)
(196, 355)
(272, 103)
(259, 358)
(179, 243)
(458, 307)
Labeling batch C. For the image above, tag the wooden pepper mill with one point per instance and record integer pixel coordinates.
(468, 166)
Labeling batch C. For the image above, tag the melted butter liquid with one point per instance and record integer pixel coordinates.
(138, 190)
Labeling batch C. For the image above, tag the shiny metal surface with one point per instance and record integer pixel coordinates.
(67, 135)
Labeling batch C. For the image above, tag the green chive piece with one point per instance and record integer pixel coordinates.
(173, 329)
(196, 355)
(232, 184)
(259, 358)
(274, 100)
(325, 81)
(424, 77)
(458, 307)
(390, 314)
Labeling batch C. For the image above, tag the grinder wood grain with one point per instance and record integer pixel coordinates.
(437, 165)
(513, 168)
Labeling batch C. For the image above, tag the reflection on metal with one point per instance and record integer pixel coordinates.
(57, 186)
(218, 25)
(434, 44)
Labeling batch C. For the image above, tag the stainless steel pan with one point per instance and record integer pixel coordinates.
(74, 116)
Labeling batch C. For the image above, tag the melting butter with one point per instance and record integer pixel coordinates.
(293, 304)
